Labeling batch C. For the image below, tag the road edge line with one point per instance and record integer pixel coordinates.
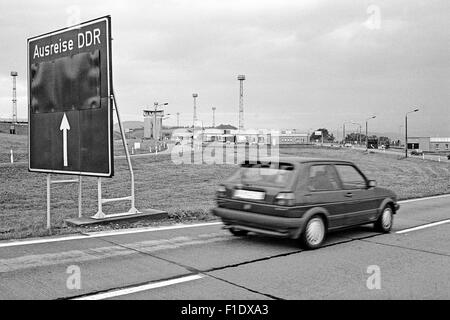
(424, 226)
(140, 288)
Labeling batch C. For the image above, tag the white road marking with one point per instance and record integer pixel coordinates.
(145, 287)
(38, 241)
(424, 199)
(434, 224)
(150, 229)
(105, 234)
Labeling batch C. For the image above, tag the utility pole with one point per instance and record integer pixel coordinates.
(360, 132)
(214, 117)
(367, 134)
(241, 79)
(12, 130)
(406, 131)
(343, 133)
(195, 95)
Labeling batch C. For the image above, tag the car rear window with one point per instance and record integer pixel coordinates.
(269, 174)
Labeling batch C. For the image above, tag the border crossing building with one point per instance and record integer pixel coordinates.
(429, 144)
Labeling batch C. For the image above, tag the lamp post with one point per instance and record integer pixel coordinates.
(178, 119)
(195, 96)
(343, 131)
(400, 131)
(367, 132)
(12, 129)
(214, 117)
(360, 131)
(406, 131)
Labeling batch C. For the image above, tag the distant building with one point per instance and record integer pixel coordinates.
(293, 138)
(181, 135)
(429, 144)
(210, 135)
(152, 128)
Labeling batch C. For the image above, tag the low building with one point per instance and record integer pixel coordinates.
(429, 144)
(179, 135)
(439, 144)
(210, 135)
(290, 138)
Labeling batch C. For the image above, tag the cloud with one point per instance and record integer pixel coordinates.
(308, 59)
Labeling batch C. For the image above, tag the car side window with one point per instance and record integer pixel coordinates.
(350, 177)
(322, 178)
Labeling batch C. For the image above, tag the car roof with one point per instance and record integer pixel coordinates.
(304, 160)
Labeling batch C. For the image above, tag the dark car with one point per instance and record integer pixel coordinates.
(302, 198)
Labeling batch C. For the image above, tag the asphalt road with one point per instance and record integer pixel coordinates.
(206, 262)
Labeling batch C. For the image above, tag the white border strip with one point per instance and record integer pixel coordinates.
(434, 224)
(423, 199)
(28, 242)
(151, 229)
(105, 234)
(145, 287)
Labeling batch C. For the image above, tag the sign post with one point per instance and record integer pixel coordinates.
(70, 110)
(71, 100)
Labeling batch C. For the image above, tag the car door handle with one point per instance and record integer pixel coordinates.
(349, 194)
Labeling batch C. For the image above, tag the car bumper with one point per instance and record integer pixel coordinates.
(260, 223)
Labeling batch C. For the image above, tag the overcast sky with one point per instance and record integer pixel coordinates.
(308, 63)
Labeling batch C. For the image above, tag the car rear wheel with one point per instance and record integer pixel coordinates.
(385, 221)
(238, 233)
(314, 233)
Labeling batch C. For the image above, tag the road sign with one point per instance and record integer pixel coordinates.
(318, 133)
(70, 109)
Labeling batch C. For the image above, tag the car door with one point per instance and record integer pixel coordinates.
(324, 191)
(361, 204)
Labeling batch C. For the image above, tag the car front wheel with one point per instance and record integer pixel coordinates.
(385, 221)
(314, 234)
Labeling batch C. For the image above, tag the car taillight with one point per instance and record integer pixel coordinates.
(221, 191)
(285, 199)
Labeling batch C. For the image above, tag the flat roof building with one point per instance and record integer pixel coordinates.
(429, 144)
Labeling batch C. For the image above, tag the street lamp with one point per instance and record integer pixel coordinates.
(360, 129)
(367, 133)
(406, 131)
(12, 129)
(343, 130)
(195, 96)
(214, 116)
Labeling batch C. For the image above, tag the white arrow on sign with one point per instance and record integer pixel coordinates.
(64, 127)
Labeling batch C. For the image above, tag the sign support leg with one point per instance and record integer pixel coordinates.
(80, 213)
(133, 209)
(48, 200)
(99, 214)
